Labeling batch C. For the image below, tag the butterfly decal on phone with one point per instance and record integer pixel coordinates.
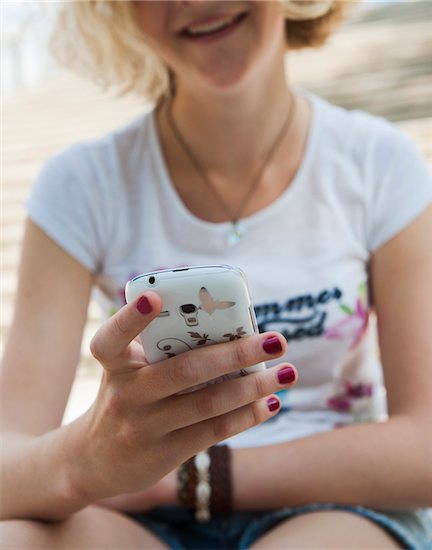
(209, 304)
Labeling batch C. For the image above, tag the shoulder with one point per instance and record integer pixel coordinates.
(106, 155)
(363, 138)
(95, 171)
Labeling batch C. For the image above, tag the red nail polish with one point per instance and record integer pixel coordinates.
(143, 305)
(272, 344)
(286, 375)
(273, 404)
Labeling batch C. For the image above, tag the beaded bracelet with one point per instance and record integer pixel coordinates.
(220, 475)
(204, 483)
(203, 488)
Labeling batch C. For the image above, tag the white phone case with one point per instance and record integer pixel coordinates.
(202, 305)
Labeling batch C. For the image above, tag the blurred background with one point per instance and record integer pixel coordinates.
(379, 61)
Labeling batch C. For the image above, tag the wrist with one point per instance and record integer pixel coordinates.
(84, 477)
(38, 482)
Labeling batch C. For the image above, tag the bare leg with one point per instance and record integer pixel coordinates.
(326, 530)
(90, 529)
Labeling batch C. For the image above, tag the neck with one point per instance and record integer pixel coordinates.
(230, 131)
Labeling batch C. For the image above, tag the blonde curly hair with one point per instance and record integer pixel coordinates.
(100, 39)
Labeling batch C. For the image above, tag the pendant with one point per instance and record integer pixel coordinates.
(235, 234)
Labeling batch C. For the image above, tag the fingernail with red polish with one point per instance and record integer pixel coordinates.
(273, 404)
(272, 345)
(286, 375)
(143, 305)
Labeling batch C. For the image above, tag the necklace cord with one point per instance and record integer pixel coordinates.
(236, 214)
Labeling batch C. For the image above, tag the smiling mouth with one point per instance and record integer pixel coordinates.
(208, 29)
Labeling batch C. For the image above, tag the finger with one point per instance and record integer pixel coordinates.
(183, 410)
(132, 356)
(209, 432)
(115, 335)
(201, 365)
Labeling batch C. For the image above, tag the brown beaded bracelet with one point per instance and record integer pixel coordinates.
(219, 481)
(220, 476)
(182, 485)
(186, 482)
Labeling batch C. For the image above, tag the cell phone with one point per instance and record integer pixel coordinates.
(202, 305)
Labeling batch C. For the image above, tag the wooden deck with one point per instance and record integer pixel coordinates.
(381, 61)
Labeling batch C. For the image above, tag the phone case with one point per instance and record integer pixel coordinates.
(202, 305)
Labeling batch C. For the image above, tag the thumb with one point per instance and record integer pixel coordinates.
(114, 337)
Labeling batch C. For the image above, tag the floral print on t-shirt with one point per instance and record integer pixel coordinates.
(352, 395)
(355, 323)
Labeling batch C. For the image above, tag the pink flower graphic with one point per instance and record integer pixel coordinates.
(358, 390)
(355, 324)
(339, 403)
(344, 401)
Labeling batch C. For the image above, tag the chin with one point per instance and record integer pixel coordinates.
(227, 76)
(224, 82)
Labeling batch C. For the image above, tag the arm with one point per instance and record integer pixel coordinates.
(383, 465)
(139, 428)
(37, 370)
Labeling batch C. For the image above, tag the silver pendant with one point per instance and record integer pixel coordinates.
(235, 234)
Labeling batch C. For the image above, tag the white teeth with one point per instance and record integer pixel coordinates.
(210, 27)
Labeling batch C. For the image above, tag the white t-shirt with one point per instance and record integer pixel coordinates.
(110, 203)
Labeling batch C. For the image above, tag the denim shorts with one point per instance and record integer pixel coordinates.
(178, 529)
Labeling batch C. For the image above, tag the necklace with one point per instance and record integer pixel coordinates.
(236, 231)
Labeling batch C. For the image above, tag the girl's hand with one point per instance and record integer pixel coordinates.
(139, 428)
(162, 493)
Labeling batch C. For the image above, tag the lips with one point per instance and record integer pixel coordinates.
(213, 26)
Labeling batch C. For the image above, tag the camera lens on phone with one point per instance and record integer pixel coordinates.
(152, 280)
(188, 308)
